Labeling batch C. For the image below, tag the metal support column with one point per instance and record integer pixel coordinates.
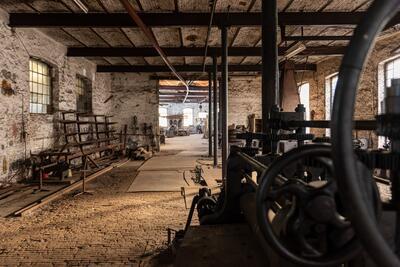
(215, 106)
(270, 68)
(210, 145)
(224, 99)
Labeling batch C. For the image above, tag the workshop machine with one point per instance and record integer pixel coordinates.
(319, 204)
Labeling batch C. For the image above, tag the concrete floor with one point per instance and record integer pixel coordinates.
(109, 228)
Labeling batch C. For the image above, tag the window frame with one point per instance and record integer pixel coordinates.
(330, 93)
(87, 94)
(191, 119)
(162, 117)
(329, 96)
(49, 105)
(385, 71)
(382, 84)
(308, 107)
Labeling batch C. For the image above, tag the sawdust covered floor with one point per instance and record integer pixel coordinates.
(110, 227)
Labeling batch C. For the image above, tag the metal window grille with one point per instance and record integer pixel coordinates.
(392, 71)
(84, 95)
(39, 86)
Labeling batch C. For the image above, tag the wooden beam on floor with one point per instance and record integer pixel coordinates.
(47, 199)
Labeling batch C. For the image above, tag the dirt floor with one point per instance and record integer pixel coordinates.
(110, 227)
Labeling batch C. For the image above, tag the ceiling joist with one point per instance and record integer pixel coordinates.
(191, 68)
(48, 20)
(193, 51)
(318, 38)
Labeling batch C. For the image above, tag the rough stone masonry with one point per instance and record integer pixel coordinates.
(131, 95)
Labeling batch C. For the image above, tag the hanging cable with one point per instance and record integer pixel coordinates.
(149, 34)
(212, 4)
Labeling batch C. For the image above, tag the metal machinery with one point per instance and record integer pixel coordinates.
(319, 204)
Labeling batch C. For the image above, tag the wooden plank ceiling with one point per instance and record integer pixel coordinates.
(186, 36)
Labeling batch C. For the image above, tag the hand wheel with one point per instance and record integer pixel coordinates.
(314, 230)
(349, 177)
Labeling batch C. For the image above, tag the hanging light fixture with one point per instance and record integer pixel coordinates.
(293, 51)
(81, 6)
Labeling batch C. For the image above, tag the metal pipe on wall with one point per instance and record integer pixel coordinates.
(215, 113)
(224, 99)
(210, 144)
(270, 70)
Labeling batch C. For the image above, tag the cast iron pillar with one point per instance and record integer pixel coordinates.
(270, 68)
(210, 145)
(224, 98)
(215, 113)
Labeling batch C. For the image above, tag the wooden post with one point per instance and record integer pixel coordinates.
(40, 179)
(125, 136)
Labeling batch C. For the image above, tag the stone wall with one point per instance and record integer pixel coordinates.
(135, 95)
(367, 95)
(177, 109)
(16, 48)
(244, 98)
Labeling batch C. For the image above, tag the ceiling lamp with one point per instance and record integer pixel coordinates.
(293, 51)
(81, 6)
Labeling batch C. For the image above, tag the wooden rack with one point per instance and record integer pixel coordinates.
(87, 137)
(99, 135)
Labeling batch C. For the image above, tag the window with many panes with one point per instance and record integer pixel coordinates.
(84, 95)
(392, 71)
(389, 69)
(187, 117)
(330, 87)
(163, 117)
(39, 86)
(304, 93)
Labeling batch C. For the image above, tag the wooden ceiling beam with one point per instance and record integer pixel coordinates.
(318, 38)
(191, 68)
(239, 19)
(192, 51)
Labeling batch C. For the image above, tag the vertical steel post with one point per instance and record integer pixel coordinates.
(215, 106)
(210, 145)
(270, 68)
(224, 98)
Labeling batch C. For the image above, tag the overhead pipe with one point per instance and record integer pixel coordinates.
(213, 5)
(210, 144)
(82, 6)
(149, 34)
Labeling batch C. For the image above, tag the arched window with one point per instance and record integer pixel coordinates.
(187, 116)
(163, 117)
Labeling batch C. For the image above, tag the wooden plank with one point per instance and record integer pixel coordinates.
(211, 175)
(26, 210)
